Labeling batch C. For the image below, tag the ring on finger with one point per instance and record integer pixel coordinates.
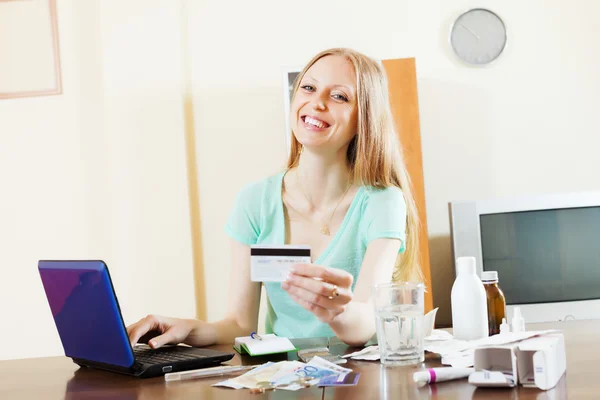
(334, 293)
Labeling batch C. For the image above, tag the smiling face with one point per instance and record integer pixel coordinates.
(324, 110)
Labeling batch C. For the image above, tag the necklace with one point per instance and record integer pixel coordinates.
(325, 226)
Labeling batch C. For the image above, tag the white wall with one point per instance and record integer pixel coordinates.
(523, 125)
(98, 172)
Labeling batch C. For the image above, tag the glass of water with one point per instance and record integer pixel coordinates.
(399, 309)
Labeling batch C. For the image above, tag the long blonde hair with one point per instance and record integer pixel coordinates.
(374, 154)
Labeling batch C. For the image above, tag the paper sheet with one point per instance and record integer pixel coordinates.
(456, 353)
(460, 353)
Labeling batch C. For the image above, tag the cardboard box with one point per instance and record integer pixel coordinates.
(537, 362)
(495, 366)
(542, 361)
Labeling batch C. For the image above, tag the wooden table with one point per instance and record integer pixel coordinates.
(59, 378)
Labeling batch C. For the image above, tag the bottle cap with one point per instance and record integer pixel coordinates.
(504, 327)
(517, 313)
(489, 276)
(465, 265)
(518, 322)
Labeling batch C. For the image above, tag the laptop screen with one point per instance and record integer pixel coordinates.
(86, 311)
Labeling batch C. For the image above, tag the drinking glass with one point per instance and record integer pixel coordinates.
(399, 309)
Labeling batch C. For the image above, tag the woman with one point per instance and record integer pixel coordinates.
(345, 193)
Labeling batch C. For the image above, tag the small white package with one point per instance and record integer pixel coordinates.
(542, 361)
(537, 362)
(495, 366)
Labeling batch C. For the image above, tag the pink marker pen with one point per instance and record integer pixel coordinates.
(433, 375)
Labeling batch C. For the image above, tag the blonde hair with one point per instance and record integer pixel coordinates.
(374, 154)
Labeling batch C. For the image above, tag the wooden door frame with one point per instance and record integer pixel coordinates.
(404, 101)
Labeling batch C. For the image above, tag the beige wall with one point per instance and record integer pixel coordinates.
(100, 172)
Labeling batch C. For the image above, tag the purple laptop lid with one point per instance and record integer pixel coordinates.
(86, 311)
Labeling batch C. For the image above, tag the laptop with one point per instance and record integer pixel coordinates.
(91, 328)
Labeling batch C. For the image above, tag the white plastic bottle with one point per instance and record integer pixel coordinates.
(518, 322)
(504, 327)
(469, 302)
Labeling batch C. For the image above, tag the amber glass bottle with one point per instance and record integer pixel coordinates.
(496, 303)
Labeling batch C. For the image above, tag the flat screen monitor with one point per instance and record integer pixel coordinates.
(546, 250)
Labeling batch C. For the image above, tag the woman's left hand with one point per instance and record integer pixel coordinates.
(321, 290)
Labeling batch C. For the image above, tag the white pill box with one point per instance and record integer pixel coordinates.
(538, 362)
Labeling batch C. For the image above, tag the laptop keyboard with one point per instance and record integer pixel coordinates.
(164, 355)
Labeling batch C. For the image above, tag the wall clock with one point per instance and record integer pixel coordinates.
(478, 36)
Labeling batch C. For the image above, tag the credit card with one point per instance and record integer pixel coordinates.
(349, 379)
(272, 263)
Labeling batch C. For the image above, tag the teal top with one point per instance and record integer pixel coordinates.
(258, 218)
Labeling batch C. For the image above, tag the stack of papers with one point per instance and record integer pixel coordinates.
(454, 352)
(460, 353)
(370, 353)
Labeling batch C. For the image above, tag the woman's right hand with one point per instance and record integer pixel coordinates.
(158, 330)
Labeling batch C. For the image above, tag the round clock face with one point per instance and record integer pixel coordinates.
(478, 36)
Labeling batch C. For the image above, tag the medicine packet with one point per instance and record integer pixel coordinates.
(307, 354)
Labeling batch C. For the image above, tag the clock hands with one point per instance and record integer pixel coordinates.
(470, 31)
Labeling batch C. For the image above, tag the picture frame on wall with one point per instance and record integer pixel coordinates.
(29, 49)
(288, 76)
